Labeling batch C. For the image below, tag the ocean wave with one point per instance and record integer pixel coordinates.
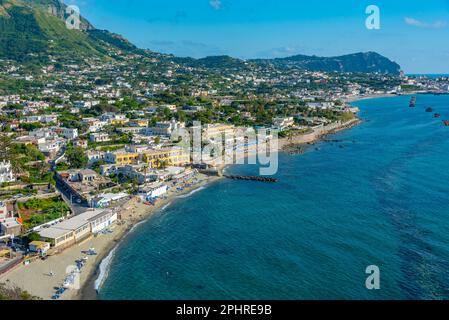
(166, 206)
(190, 193)
(104, 270)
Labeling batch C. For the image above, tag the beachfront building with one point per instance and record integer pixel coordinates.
(40, 247)
(162, 158)
(211, 131)
(155, 158)
(153, 191)
(78, 228)
(138, 172)
(107, 199)
(122, 158)
(283, 123)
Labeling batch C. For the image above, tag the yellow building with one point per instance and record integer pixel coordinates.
(166, 157)
(140, 122)
(119, 121)
(213, 130)
(155, 158)
(122, 158)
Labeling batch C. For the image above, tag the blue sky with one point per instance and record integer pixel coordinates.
(413, 33)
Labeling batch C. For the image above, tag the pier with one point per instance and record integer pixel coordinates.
(251, 178)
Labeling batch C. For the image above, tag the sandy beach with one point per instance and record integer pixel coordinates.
(372, 96)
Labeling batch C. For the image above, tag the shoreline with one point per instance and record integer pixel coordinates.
(35, 278)
(88, 290)
(136, 214)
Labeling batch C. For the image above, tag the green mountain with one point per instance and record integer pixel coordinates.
(36, 29)
(368, 62)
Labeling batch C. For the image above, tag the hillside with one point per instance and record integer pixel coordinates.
(29, 31)
(368, 62)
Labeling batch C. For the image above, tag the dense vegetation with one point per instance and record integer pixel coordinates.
(38, 211)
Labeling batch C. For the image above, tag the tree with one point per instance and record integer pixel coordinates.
(76, 157)
(15, 293)
(33, 236)
(157, 140)
(182, 116)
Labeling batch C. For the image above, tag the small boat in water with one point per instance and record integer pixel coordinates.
(446, 123)
(412, 102)
(429, 109)
(436, 115)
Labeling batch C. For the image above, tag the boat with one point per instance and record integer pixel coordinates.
(436, 115)
(412, 102)
(446, 123)
(429, 109)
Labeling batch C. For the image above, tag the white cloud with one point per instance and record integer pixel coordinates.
(421, 24)
(216, 4)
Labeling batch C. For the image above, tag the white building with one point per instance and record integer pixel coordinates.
(45, 133)
(320, 105)
(166, 128)
(94, 156)
(50, 147)
(99, 137)
(283, 123)
(94, 125)
(106, 199)
(6, 174)
(78, 228)
(153, 191)
(70, 133)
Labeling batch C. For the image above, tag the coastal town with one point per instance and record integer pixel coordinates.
(92, 145)
(78, 149)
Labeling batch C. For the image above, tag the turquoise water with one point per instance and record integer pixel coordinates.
(378, 197)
